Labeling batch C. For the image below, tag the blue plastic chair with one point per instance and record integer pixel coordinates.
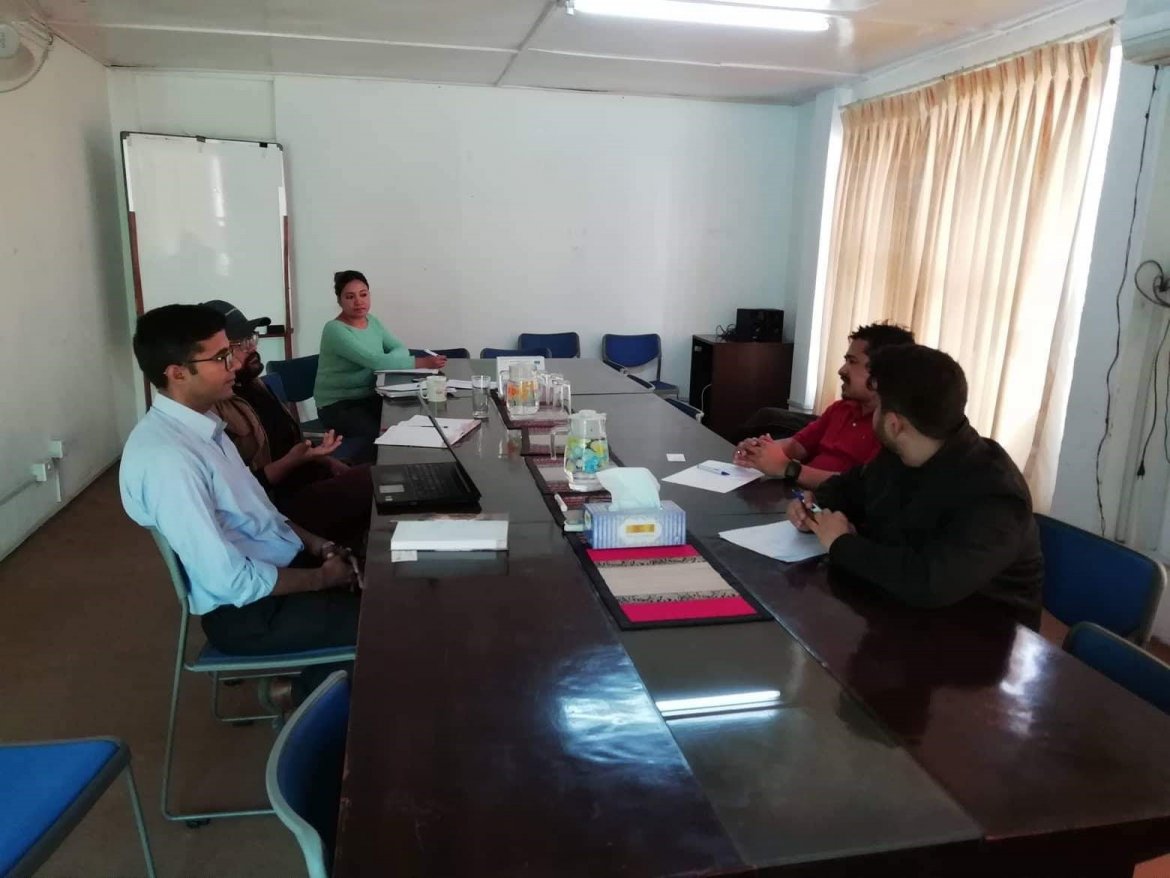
(1088, 578)
(1123, 662)
(351, 448)
(304, 771)
(492, 353)
(625, 352)
(49, 786)
(563, 345)
(298, 376)
(210, 660)
(686, 408)
(449, 353)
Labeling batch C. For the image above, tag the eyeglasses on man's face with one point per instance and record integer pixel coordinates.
(245, 346)
(226, 358)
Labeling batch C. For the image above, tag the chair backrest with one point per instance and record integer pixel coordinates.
(275, 385)
(685, 408)
(1125, 663)
(449, 353)
(304, 771)
(1088, 578)
(179, 580)
(298, 376)
(492, 353)
(561, 344)
(632, 351)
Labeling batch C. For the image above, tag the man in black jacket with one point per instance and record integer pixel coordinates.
(941, 513)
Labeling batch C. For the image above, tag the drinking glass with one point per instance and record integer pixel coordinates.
(480, 395)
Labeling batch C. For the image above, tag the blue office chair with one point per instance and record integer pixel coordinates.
(492, 353)
(686, 408)
(625, 352)
(1088, 578)
(304, 771)
(561, 344)
(351, 448)
(49, 786)
(298, 376)
(1123, 662)
(449, 353)
(210, 660)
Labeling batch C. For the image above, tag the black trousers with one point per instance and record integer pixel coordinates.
(289, 623)
(356, 419)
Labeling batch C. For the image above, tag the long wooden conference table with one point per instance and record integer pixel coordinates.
(503, 725)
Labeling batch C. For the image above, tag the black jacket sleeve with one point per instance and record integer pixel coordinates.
(952, 563)
(844, 493)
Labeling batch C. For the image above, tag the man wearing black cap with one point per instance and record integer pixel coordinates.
(306, 483)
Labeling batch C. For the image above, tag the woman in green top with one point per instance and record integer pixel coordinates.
(353, 346)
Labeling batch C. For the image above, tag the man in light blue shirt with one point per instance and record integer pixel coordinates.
(260, 583)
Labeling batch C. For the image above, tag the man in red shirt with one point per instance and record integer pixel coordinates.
(842, 437)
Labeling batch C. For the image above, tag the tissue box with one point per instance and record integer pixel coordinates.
(633, 528)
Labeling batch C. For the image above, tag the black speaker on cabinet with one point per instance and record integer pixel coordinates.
(759, 324)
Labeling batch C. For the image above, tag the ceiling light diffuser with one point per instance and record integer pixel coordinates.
(719, 12)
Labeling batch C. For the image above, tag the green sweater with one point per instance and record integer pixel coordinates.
(349, 356)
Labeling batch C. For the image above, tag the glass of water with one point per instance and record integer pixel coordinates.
(481, 386)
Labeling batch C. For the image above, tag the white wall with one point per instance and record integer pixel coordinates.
(64, 339)
(478, 213)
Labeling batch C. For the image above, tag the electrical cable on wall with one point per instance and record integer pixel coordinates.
(1156, 295)
(1117, 300)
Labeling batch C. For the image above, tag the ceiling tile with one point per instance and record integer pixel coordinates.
(552, 70)
(485, 23)
(124, 47)
(849, 46)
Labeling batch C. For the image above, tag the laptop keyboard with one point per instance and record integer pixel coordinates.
(432, 480)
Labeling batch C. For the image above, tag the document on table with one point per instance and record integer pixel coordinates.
(419, 433)
(406, 371)
(781, 541)
(715, 475)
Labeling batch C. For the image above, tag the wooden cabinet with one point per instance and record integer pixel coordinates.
(731, 380)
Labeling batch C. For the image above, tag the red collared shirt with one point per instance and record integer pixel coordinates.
(840, 439)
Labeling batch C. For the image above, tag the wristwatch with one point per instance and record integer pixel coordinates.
(792, 471)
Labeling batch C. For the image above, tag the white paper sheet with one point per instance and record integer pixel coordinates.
(781, 541)
(417, 437)
(676, 458)
(699, 476)
(455, 428)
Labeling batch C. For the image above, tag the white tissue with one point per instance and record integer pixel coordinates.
(632, 487)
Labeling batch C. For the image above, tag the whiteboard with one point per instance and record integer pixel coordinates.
(208, 220)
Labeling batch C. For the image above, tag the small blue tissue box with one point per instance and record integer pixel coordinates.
(635, 528)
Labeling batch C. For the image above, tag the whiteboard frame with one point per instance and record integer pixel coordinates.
(132, 229)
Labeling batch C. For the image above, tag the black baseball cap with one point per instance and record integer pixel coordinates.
(238, 326)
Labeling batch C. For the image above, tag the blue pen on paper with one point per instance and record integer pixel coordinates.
(713, 469)
(813, 509)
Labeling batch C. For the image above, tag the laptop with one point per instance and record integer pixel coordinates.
(411, 487)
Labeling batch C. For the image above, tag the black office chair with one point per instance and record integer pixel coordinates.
(492, 353)
(564, 345)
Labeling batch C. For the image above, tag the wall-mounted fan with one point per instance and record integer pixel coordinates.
(24, 44)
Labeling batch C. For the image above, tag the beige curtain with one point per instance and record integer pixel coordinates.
(955, 215)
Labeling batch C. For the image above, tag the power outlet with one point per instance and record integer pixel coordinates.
(40, 470)
(57, 449)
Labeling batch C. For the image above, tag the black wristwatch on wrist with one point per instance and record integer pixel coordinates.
(792, 471)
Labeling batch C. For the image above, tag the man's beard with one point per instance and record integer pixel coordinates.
(250, 370)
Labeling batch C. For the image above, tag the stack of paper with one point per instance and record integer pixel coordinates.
(419, 433)
(451, 535)
(781, 541)
(406, 371)
(399, 391)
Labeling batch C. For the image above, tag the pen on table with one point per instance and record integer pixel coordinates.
(714, 469)
(429, 352)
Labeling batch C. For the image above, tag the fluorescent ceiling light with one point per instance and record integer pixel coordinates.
(741, 14)
(734, 701)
